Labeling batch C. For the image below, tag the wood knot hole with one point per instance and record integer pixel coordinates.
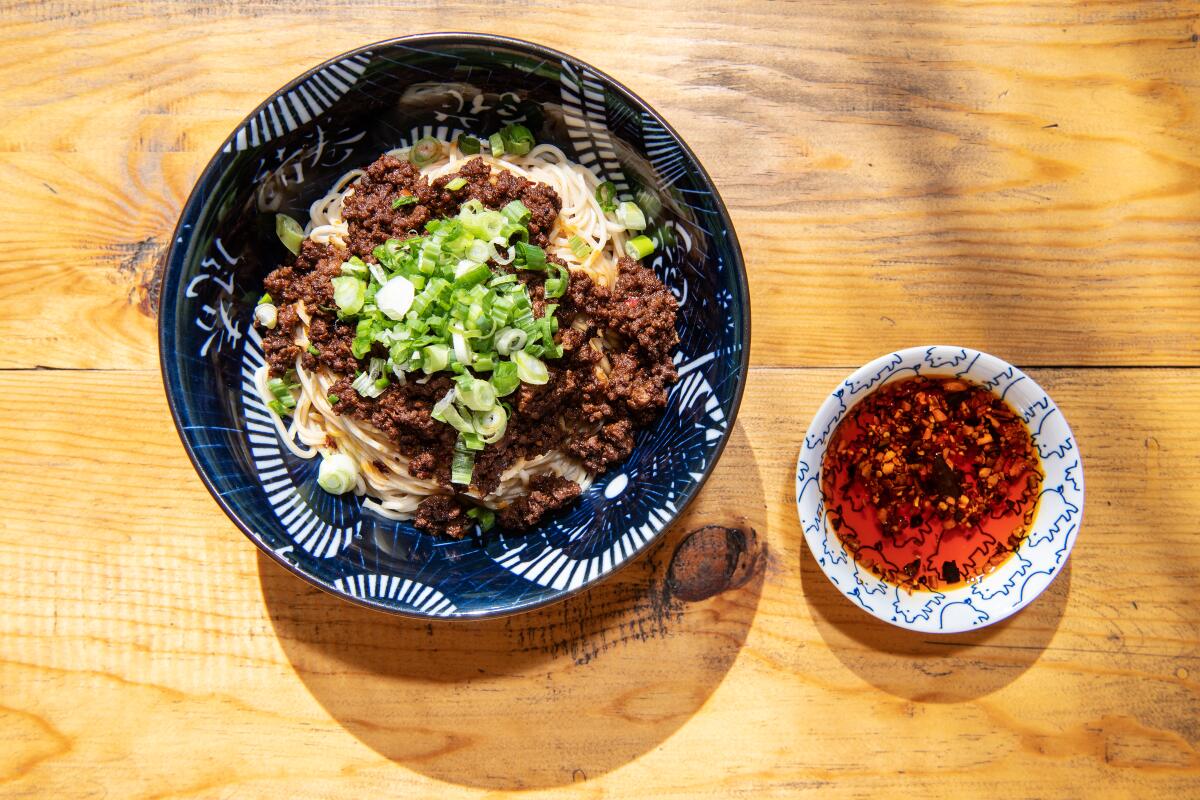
(714, 559)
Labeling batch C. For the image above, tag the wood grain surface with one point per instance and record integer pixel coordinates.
(1023, 178)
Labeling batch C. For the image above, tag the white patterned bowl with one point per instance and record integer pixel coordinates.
(1016, 582)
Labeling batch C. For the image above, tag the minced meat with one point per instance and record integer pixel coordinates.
(612, 379)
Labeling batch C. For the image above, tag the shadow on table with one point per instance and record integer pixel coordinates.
(546, 698)
(933, 668)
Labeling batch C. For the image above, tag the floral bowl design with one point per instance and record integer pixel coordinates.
(1013, 584)
(345, 113)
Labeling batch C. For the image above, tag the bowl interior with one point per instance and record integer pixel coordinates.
(345, 114)
(1017, 581)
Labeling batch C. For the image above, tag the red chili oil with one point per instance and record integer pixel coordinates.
(931, 482)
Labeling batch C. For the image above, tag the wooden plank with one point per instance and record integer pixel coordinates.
(146, 650)
(1021, 179)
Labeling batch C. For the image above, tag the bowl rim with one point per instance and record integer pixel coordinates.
(867, 372)
(180, 246)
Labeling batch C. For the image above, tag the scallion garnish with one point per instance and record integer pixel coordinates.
(639, 247)
(484, 516)
(517, 213)
(266, 314)
(266, 298)
(404, 200)
(579, 247)
(468, 145)
(630, 216)
(556, 286)
(349, 294)
(337, 474)
(312, 349)
(426, 151)
(606, 196)
(462, 465)
(530, 256)
(529, 368)
(333, 398)
(283, 400)
(497, 144)
(431, 303)
(289, 232)
(518, 139)
(456, 184)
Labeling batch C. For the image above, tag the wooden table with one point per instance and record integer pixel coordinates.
(1025, 180)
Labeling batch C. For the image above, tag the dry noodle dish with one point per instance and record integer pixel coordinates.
(464, 334)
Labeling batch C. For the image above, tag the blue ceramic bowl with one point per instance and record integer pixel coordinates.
(345, 113)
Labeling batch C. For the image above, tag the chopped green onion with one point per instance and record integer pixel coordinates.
(639, 247)
(497, 143)
(606, 196)
(518, 139)
(312, 348)
(436, 357)
(530, 256)
(266, 315)
(279, 408)
(355, 266)
(445, 411)
(630, 216)
(382, 383)
(404, 200)
(475, 394)
(473, 275)
(579, 247)
(556, 286)
(289, 232)
(529, 368)
(468, 145)
(509, 340)
(507, 258)
(395, 297)
(504, 378)
(349, 294)
(282, 392)
(484, 516)
(491, 424)
(364, 336)
(337, 474)
(517, 213)
(456, 184)
(365, 384)
(501, 280)
(462, 465)
(333, 398)
(266, 298)
(426, 151)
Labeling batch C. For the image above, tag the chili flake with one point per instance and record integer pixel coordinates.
(931, 482)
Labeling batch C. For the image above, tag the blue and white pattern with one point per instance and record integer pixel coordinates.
(317, 522)
(1016, 582)
(283, 157)
(417, 597)
(298, 106)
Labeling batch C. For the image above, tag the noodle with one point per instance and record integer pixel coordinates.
(382, 470)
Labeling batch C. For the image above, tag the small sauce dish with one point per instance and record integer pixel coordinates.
(966, 507)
